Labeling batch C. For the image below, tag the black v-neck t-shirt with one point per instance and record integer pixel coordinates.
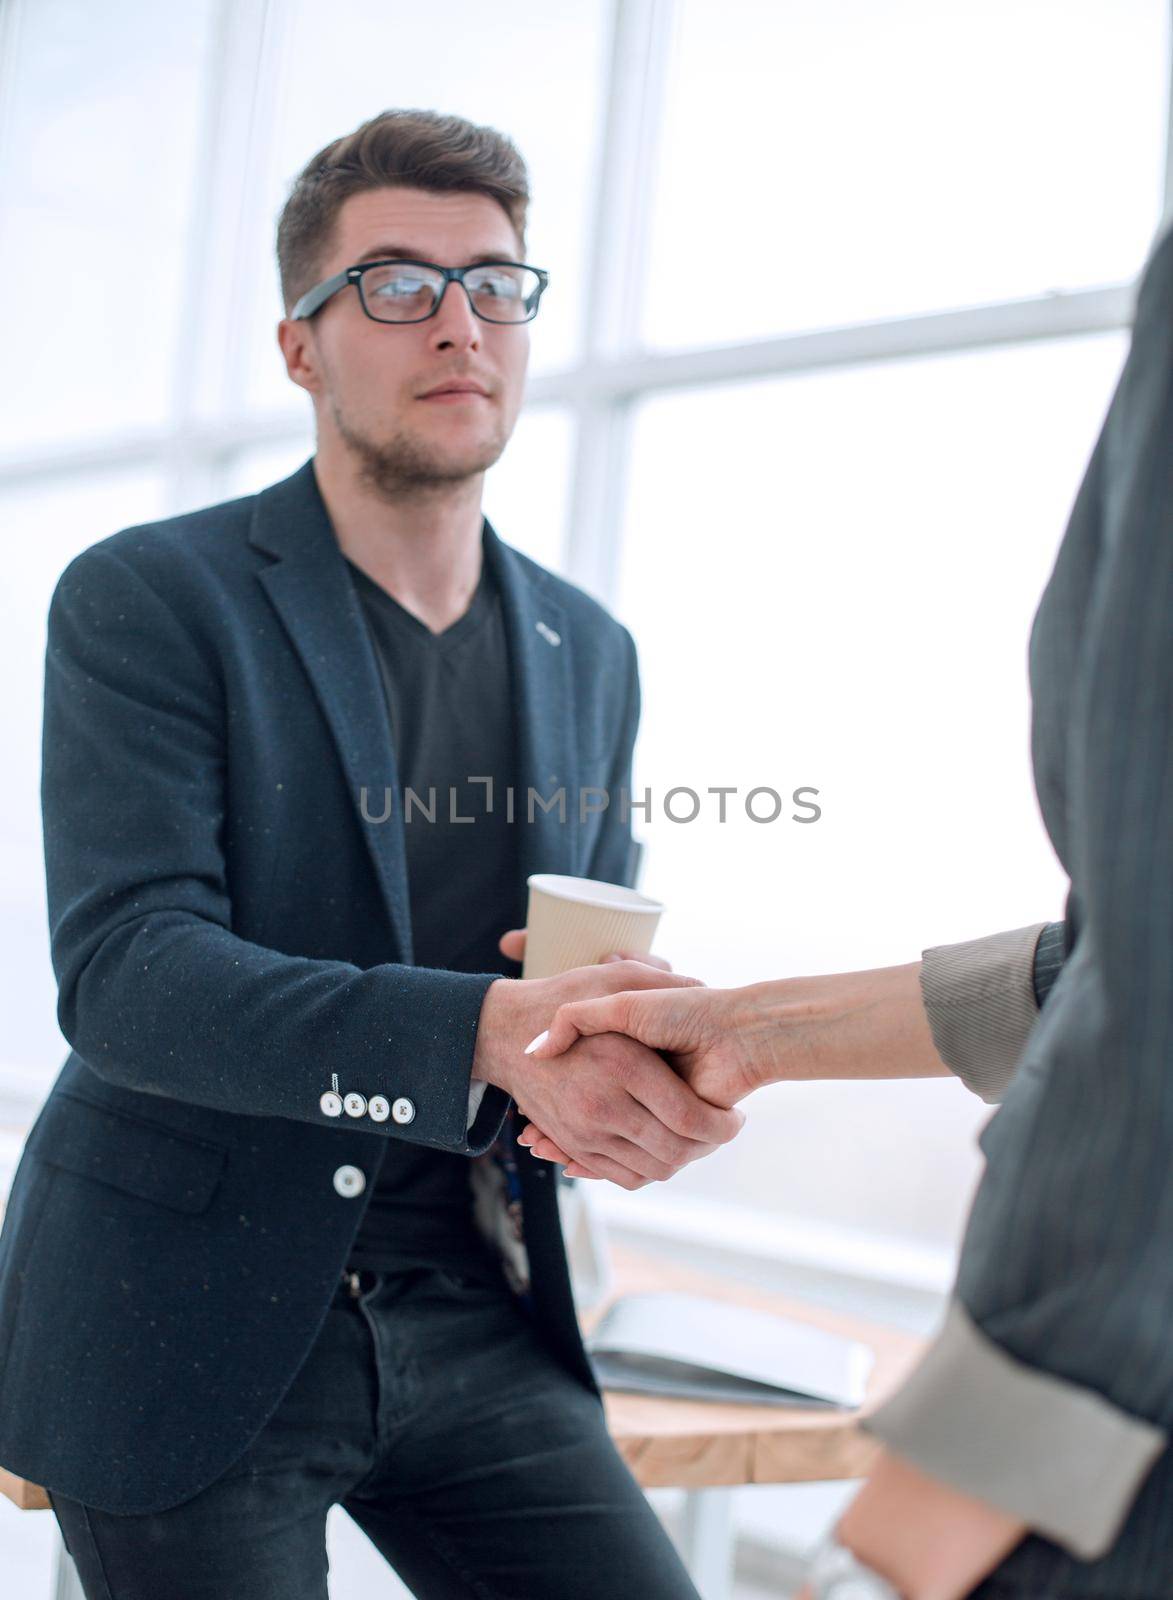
(450, 706)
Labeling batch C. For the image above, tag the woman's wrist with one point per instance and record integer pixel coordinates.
(869, 1024)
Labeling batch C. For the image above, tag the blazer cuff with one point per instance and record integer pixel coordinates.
(1058, 1456)
(979, 997)
(1050, 956)
(488, 1121)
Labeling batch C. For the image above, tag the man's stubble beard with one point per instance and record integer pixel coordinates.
(404, 464)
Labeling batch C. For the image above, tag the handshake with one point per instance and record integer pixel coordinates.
(635, 1071)
(628, 1071)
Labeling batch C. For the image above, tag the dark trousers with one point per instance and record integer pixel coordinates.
(429, 1410)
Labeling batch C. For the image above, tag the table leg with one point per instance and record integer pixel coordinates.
(707, 1541)
(66, 1583)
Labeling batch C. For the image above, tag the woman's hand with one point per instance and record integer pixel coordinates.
(512, 944)
(702, 1043)
(726, 1043)
(929, 1540)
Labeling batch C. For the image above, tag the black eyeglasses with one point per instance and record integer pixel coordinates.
(411, 291)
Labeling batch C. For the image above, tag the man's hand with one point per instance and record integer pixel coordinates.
(610, 1103)
(701, 1032)
(512, 944)
(617, 1111)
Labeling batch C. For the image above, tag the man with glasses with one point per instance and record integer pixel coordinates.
(410, 291)
(272, 1245)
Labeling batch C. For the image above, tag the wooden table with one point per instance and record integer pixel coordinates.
(708, 1447)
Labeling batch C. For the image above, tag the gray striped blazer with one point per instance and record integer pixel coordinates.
(1048, 1390)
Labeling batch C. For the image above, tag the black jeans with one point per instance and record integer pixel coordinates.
(429, 1410)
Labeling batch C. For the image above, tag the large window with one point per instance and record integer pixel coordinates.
(101, 109)
(850, 161)
(839, 293)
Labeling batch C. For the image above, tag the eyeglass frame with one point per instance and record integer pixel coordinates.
(314, 299)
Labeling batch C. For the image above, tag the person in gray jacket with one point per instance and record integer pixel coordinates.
(1029, 1447)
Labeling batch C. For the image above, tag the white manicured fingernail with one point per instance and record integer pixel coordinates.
(536, 1044)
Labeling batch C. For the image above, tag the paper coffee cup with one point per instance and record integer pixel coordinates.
(575, 922)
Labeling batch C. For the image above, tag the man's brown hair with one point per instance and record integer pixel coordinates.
(396, 149)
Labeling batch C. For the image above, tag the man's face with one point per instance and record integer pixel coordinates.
(370, 381)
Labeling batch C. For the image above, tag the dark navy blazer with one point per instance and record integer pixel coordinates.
(230, 932)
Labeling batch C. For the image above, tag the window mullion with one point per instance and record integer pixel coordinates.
(219, 290)
(641, 35)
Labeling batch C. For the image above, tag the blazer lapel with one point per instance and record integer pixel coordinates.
(518, 1204)
(543, 689)
(312, 593)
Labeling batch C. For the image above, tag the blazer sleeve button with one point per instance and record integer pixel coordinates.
(356, 1105)
(331, 1104)
(378, 1108)
(403, 1109)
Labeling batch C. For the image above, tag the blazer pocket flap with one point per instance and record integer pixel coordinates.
(141, 1158)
